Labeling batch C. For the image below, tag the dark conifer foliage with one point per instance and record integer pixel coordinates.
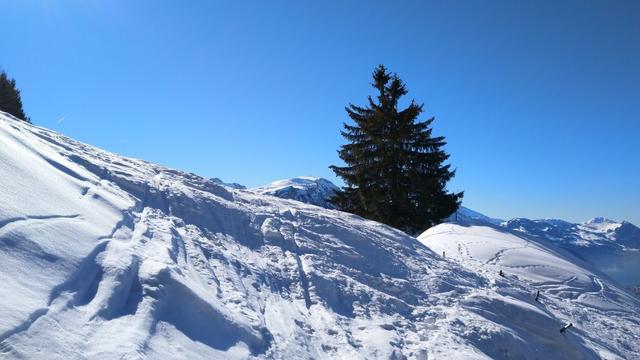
(395, 169)
(10, 100)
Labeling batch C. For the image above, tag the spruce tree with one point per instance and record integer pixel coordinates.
(396, 171)
(10, 100)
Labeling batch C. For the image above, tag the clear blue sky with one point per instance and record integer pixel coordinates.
(539, 100)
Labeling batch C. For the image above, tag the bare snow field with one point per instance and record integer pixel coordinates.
(106, 257)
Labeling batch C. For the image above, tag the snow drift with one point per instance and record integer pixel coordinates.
(109, 257)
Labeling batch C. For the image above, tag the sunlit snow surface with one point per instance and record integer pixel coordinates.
(108, 257)
(604, 316)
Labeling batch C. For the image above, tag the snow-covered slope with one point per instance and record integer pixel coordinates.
(604, 316)
(310, 190)
(104, 256)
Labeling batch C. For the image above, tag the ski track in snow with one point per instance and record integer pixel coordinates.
(568, 298)
(109, 257)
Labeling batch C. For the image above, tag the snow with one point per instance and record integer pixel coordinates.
(109, 257)
(604, 315)
(609, 246)
(231, 185)
(612, 247)
(595, 232)
(307, 189)
(467, 215)
(601, 224)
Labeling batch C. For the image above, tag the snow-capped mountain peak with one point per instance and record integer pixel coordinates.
(311, 190)
(601, 224)
(230, 185)
(599, 220)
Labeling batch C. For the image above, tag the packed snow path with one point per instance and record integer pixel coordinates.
(109, 257)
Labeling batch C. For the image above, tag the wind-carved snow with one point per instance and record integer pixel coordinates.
(109, 257)
(105, 256)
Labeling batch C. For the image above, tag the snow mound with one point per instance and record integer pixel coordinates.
(109, 257)
(604, 316)
(310, 190)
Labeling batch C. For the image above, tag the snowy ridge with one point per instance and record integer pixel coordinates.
(109, 257)
(307, 189)
(231, 185)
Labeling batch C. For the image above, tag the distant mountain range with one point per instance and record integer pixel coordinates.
(595, 232)
(610, 246)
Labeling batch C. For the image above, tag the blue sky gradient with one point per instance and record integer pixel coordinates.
(539, 100)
